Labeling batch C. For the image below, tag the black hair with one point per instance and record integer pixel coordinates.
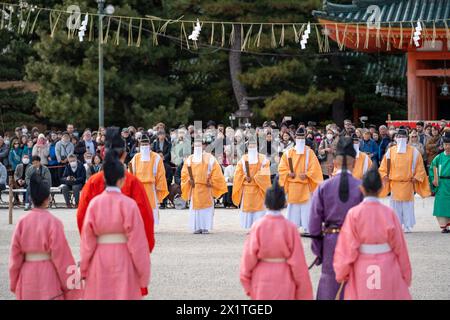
(275, 196)
(372, 181)
(39, 189)
(113, 169)
(344, 149)
(35, 158)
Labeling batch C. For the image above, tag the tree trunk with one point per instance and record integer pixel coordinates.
(236, 66)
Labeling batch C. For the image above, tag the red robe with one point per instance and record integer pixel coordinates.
(132, 188)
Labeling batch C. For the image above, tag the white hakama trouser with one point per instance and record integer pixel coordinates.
(156, 210)
(298, 213)
(201, 219)
(405, 213)
(249, 218)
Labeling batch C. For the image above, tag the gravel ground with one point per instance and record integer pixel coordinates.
(187, 266)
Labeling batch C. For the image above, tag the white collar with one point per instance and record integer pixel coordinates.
(340, 171)
(113, 189)
(371, 199)
(273, 213)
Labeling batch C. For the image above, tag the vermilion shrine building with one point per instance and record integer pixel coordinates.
(427, 71)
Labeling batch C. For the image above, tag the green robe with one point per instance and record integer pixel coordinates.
(442, 198)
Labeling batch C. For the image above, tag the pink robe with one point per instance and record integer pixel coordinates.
(274, 237)
(381, 276)
(115, 271)
(40, 232)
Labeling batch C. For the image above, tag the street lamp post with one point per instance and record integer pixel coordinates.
(101, 74)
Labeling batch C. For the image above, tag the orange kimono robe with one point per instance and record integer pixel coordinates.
(361, 166)
(253, 192)
(299, 190)
(403, 167)
(153, 176)
(208, 170)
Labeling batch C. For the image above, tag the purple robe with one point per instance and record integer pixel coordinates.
(327, 210)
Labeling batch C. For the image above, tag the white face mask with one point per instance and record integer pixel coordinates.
(198, 151)
(401, 145)
(300, 146)
(24, 131)
(252, 155)
(73, 164)
(329, 136)
(25, 161)
(145, 153)
(88, 161)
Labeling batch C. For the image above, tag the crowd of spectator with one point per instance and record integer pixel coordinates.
(68, 158)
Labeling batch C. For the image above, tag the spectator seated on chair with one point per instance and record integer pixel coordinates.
(39, 169)
(73, 179)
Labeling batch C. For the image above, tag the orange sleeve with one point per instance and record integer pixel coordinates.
(139, 195)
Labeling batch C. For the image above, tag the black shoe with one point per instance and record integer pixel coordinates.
(198, 232)
(445, 230)
(205, 231)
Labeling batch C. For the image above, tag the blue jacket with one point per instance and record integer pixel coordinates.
(52, 155)
(15, 157)
(79, 175)
(369, 146)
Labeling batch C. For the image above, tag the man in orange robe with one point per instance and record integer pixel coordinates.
(251, 180)
(132, 188)
(206, 183)
(403, 174)
(148, 167)
(300, 180)
(362, 162)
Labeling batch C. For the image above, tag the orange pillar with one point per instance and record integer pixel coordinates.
(434, 93)
(413, 89)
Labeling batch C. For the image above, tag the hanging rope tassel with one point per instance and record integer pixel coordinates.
(388, 44)
(2, 23)
(105, 39)
(223, 35)
(91, 28)
(296, 38)
(27, 22)
(412, 34)
(247, 37)
(447, 30)
(400, 44)
(118, 32)
(34, 22)
(344, 36)
(130, 32)
(55, 25)
(273, 41)
(319, 39)
(138, 43)
(433, 40)
(183, 32)
(366, 44)
(378, 38)
(258, 37)
(282, 36)
(357, 35)
(232, 35)
(211, 42)
(155, 35)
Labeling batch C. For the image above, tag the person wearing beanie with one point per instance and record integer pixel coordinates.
(300, 174)
(330, 204)
(250, 182)
(403, 174)
(115, 263)
(40, 258)
(440, 182)
(371, 254)
(148, 167)
(273, 264)
(202, 181)
(132, 187)
(362, 161)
